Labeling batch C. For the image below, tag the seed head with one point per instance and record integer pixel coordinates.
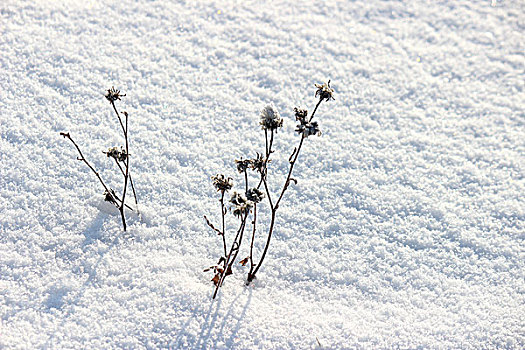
(324, 91)
(254, 195)
(308, 129)
(270, 118)
(115, 153)
(242, 206)
(113, 95)
(258, 163)
(221, 183)
(243, 165)
(300, 114)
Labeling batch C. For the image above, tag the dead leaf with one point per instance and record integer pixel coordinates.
(216, 279)
(244, 261)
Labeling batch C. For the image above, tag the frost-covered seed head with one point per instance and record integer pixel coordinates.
(324, 91)
(221, 183)
(242, 165)
(308, 129)
(115, 153)
(300, 114)
(258, 163)
(270, 118)
(254, 195)
(242, 206)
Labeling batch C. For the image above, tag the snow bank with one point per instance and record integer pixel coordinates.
(406, 226)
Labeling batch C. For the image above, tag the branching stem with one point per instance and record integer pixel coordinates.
(295, 155)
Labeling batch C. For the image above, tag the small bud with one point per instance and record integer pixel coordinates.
(109, 197)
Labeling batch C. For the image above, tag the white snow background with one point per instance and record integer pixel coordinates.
(406, 228)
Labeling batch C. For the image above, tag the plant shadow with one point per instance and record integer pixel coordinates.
(214, 333)
(92, 233)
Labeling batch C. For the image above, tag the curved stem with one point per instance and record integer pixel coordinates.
(315, 110)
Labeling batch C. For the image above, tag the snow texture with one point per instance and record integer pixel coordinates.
(406, 228)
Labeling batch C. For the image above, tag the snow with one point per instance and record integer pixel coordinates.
(406, 228)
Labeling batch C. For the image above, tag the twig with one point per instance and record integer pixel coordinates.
(130, 181)
(83, 159)
(119, 156)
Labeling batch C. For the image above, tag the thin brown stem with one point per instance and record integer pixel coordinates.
(251, 276)
(315, 110)
(254, 223)
(292, 164)
(266, 143)
(234, 248)
(268, 195)
(223, 213)
(130, 181)
(126, 175)
(124, 130)
(83, 159)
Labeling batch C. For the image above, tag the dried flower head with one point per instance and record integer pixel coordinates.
(115, 153)
(308, 129)
(258, 163)
(113, 95)
(254, 195)
(109, 196)
(300, 114)
(324, 91)
(221, 183)
(242, 206)
(243, 165)
(270, 118)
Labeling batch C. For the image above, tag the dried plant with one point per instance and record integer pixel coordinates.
(245, 204)
(121, 158)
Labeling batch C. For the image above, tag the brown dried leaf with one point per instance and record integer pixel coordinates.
(216, 279)
(244, 261)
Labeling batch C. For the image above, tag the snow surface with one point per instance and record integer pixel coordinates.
(406, 228)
